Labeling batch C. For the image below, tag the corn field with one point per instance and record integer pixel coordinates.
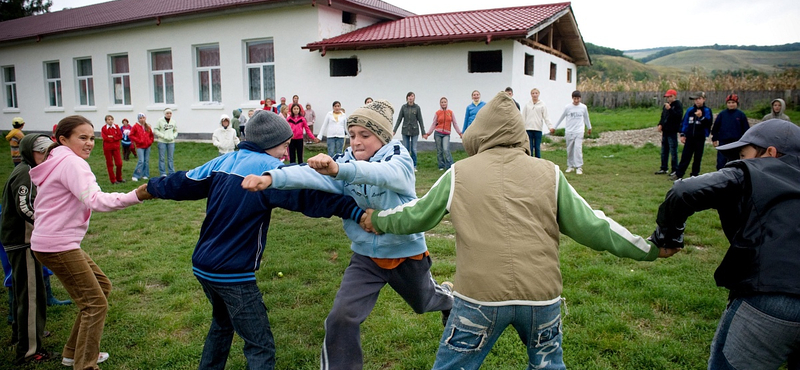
(787, 80)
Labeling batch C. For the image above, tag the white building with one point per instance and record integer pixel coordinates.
(203, 59)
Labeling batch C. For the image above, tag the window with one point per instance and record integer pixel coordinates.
(348, 18)
(10, 83)
(260, 70)
(553, 71)
(485, 61)
(85, 81)
(209, 78)
(344, 67)
(569, 75)
(121, 79)
(528, 64)
(161, 75)
(53, 79)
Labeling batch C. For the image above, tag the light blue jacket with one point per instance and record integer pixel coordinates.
(385, 181)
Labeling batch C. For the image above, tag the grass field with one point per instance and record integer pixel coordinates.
(619, 314)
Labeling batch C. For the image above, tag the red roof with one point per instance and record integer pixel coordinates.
(115, 13)
(448, 27)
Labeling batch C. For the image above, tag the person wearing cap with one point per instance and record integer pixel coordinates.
(13, 137)
(729, 126)
(695, 127)
(224, 137)
(577, 116)
(377, 172)
(234, 235)
(668, 126)
(166, 131)
(28, 282)
(757, 198)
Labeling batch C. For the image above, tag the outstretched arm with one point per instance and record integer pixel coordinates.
(417, 215)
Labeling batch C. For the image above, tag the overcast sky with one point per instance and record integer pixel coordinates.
(637, 24)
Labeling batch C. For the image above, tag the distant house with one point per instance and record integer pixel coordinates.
(203, 59)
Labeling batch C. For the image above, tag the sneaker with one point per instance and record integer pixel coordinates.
(448, 287)
(441, 169)
(122, 181)
(672, 173)
(69, 362)
(661, 172)
(134, 179)
(144, 177)
(569, 169)
(674, 177)
(41, 356)
(415, 169)
(579, 171)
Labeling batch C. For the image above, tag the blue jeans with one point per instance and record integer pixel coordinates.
(167, 149)
(443, 150)
(335, 145)
(410, 142)
(238, 308)
(758, 332)
(143, 164)
(669, 149)
(473, 329)
(535, 139)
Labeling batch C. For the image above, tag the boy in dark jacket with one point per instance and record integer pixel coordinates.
(233, 235)
(729, 126)
(26, 271)
(694, 131)
(757, 198)
(668, 126)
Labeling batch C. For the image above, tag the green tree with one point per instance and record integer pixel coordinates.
(12, 9)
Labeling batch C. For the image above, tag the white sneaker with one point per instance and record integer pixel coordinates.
(415, 169)
(579, 171)
(145, 177)
(134, 179)
(569, 169)
(69, 361)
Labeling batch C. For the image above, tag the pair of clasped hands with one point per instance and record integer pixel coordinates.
(324, 165)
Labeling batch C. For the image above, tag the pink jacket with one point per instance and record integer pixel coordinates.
(298, 125)
(66, 196)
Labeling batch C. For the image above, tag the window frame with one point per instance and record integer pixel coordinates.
(210, 71)
(162, 74)
(263, 68)
(10, 87)
(553, 71)
(473, 64)
(344, 70)
(569, 75)
(84, 83)
(126, 87)
(529, 65)
(54, 94)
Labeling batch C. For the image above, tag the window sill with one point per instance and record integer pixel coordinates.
(85, 108)
(11, 110)
(54, 110)
(162, 107)
(120, 108)
(208, 106)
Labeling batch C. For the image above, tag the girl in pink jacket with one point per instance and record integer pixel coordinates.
(67, 194)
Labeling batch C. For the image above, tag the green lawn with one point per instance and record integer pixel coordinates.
(620, 314)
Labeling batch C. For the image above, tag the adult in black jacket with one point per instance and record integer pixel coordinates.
(669, 126)
(695, 127)
(729, 126)
(757, 198)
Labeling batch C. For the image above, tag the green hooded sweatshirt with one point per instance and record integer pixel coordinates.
(16, 221)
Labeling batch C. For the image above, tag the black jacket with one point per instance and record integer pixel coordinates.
(671, 118)
(759, 221)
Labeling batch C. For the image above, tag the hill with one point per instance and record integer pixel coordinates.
(709, 60)
(641, 53)
(620, 68)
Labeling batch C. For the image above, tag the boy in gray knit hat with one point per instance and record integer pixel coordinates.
(377, 172)
(233, 235)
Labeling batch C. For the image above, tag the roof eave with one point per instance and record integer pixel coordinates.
(487, 37)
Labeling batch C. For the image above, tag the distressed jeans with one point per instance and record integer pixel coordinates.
(473, 329)
(758, 332)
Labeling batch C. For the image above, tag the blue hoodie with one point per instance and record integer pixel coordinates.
(234, 232)
(385, 181)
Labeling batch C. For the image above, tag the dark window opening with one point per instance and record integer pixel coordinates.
(553, 71)
(569, 75)
(344, 67)
(529, 64)
(349, 18)
(485, 61)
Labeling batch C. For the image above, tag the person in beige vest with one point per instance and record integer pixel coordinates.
(508, 209)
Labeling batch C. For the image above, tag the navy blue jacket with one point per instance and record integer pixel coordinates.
(693, 127)
(234, 232)
(729, 126)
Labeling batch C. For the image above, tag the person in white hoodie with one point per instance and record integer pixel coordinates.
(225, 138)
(577, 116)
(536, 119)
(67, 194)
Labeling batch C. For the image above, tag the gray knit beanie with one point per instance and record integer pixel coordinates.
(267, 130)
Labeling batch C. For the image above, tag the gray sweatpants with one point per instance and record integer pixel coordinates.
(574, 149)
(361, 285)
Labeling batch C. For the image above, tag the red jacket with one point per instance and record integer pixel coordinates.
(141, 137)
(111, 137)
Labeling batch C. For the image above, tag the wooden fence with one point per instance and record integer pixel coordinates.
(714, 99)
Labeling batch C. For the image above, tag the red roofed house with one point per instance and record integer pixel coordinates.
(203, 59)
